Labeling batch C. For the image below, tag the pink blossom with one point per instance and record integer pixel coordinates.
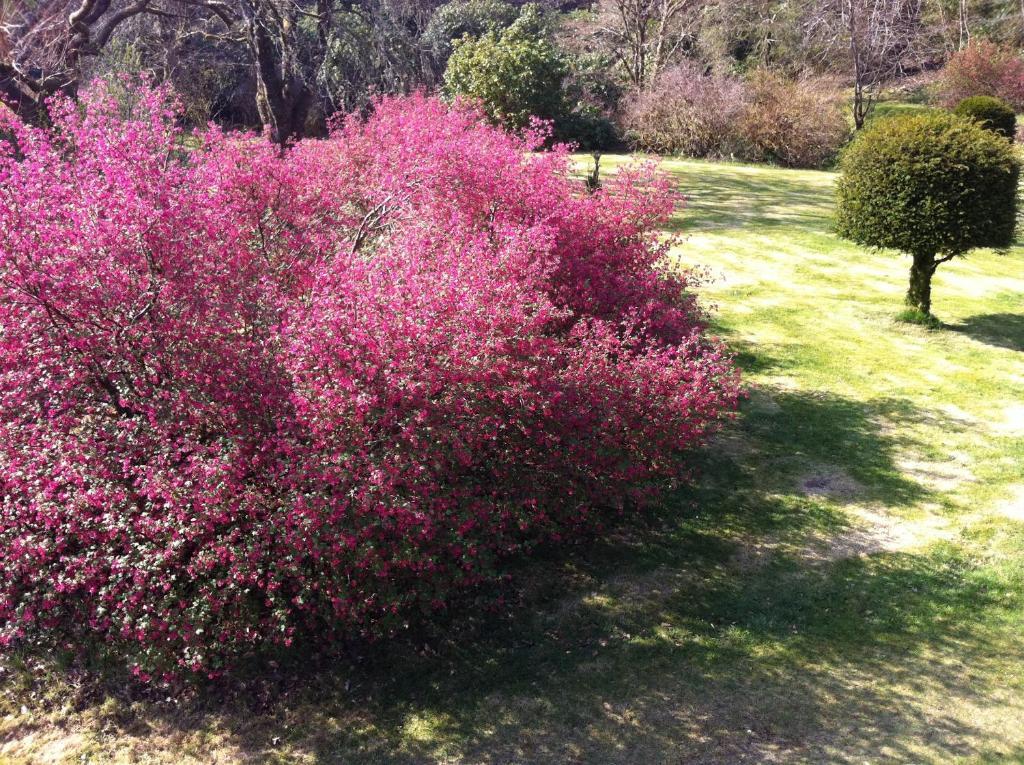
(247, 397)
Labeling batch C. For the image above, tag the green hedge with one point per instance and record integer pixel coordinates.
(991, 113)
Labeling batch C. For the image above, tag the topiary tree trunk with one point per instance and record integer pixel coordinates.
(919, 295)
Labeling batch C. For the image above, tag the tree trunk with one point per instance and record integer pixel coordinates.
(919, 295)
(27, 103)
(965, 25)
(858, 70)
(859, 115)
(283, 97)
(283, 108)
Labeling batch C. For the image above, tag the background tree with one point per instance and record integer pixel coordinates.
(284, 67)
(516, 73)
(748, 35)
(879, 40)
(288, 64)
(933, 186)
(43, 44)
(301, 56)
(454, 20)
(645, 35)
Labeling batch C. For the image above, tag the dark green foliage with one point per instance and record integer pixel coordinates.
(991, 113)
(516, 73)
(588, 128)
(454, 20)
(594, 90)
(933, 185)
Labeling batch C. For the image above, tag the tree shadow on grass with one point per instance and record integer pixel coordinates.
(655, 643)
(714, 666)
(1004, 330)
(651, 644)
(784, 436)
(746, 198)
(693, 661)
(750, 357)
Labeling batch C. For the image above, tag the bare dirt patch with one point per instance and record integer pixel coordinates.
(763, 402)
(46, 746)
(730, 444)
(61, 739)
(872, 530)
(832, 483)
(1013, 508)
(754, 555)
(957, 416)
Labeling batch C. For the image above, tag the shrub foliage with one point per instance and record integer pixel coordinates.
(991, 113)
(516, 73)
(687, 112)
(768, 117)
(983, 68)
(934, 186)
(795, 123)
(249, 398)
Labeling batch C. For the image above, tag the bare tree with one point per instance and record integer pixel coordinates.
(296, 50)
(963, 16)
(878, 38)
(644, 35)
(43, 43)
(40, 49)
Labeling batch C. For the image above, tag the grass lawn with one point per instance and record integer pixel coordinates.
(844, 583)
(898, 109)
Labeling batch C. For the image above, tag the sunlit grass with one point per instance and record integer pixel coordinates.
(843, 584)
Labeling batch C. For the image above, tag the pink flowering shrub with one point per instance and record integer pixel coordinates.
(249, 398)
(983, 68)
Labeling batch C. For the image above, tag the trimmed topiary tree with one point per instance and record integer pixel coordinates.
(932, 185)
(991, 113)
